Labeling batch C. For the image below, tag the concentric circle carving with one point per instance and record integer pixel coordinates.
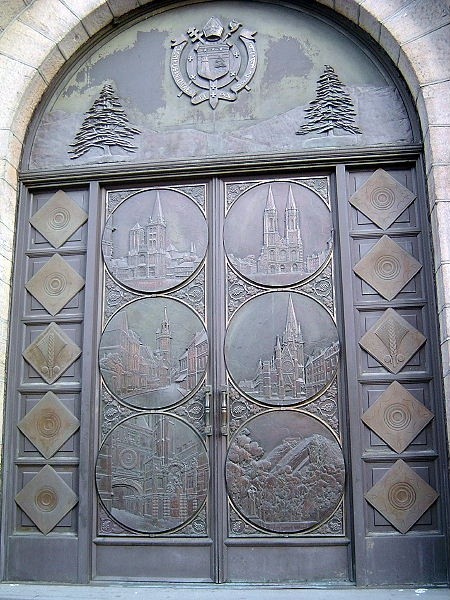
(397, 416)
(387, 267)
(46, 499)
(59, 218)
(128, 458)
(402, 495)
(285, 471)
(55, 284)
(382, 198)
(48, 424)
(152, 473)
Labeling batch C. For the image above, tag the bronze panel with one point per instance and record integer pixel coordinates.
(153, 352)
(282, 348)
(382, 198)
(285, 471)
(55, 284)
(392, 341)
(401, 496)
(51, 353)
(155, 240)
(58, 219)
(152, 473)
(48, 425)
(287, 233)
(387, 267)
(46, 499)
(397, 417)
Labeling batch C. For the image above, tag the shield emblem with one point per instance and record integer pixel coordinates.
(213, 61)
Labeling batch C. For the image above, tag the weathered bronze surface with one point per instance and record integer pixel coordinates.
(153, 352)
(382, 198)
(58, 219)
(285, 471)
(152, 473)
(282, 348)
(401, 496)
(387, 267)
(392, 341)
(51, 353)
(49, 424)
(55, 284)
(46, 499)
(217, 65)
(397, 417)
(155, 240)
(287, 233)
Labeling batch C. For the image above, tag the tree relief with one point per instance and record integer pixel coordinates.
(285, 472)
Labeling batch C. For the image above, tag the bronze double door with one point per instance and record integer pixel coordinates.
(220, 439)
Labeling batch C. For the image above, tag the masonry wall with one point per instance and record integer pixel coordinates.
(37, 37)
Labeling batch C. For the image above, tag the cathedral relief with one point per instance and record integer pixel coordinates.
(290, 240)
(153, 352)
(290, 345)
(154, 240)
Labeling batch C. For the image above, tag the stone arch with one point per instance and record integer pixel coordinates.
(33, 48)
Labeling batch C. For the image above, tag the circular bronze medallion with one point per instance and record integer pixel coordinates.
(155, 240)
(282, 348)
(285, 471)
(278, 233)
(152, 473)
(153, 352)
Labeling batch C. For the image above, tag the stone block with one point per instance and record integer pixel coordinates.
(369, 23)
(70, 43)
(389, 44)
(9, 10)
(10, 147)
(29, 99)
(409, 74)
(444, 329)
(18, 75)
(8, 203)
(417, 19)
(440, 220)
(443, 284)
(348, 9)
(5, 270)
(436, 99)
(8, 172)
(383, 10)
(97, 19)
(437, 144)
(82, 8)
(51, 64)
(329, 3)
(121, 7)
(55, 26)
(23, 43)
(439, 183)
(430, 56)
(6, 241)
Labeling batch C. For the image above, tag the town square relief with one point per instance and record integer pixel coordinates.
(153, 352)
(282, 348)
(152, 473)
(278, 233)
(285, 471)
(154, 240)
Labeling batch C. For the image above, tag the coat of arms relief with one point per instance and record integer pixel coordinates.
(214, 64)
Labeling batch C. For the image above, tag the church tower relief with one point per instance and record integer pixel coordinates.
(164, 349)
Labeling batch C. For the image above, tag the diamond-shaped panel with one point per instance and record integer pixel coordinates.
(397, 417)
(382, 198)
(387, 267)
(52, 353)
(55, 284)
(392, 341)
(49, 425)
(401, 496)
(46, 499)
(58, 219)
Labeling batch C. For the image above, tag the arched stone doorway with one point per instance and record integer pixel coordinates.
(286, 175)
